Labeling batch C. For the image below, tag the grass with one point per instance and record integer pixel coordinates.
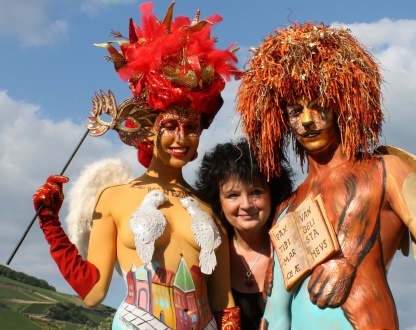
(14, 321)
(41, 309)
(15, 307)
(23, 306)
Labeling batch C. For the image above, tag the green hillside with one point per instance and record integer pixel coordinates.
(38, 306)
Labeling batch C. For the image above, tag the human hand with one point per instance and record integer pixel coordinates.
(50, 195)
(330, 283)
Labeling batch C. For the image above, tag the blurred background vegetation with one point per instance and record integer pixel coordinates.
(27, 302)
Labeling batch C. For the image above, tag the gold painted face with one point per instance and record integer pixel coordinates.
(178, 121)
(313, 125)
(177, 136)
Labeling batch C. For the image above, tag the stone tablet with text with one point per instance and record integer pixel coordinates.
(303, 239)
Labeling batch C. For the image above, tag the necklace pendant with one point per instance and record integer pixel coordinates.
(250, 278)
(249, 281)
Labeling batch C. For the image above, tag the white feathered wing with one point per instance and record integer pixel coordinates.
(82, 197)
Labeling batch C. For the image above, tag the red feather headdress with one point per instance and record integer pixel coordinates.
(167, 63)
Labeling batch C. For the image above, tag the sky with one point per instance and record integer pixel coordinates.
(50, 70)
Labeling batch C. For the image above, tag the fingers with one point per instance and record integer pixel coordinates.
(47, 195)
(330, 283)
(50, 195)
(326, 297)
(39, 198)
(58, 179)
(54, 190)
(317, 285)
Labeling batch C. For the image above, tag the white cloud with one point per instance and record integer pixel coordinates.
(29, 22)
(33, 147)
(384, 33)
(393, 43)
(224, 128)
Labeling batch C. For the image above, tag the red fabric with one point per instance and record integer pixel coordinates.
(228, 318)
(81, 275)
(50, 195)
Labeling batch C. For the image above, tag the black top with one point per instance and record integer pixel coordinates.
(252, 308)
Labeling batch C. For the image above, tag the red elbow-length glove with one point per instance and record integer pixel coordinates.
(81, 275)
(228, 318)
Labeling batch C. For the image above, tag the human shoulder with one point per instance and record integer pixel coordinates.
(284, 205)
(123, 194)
(115, 188)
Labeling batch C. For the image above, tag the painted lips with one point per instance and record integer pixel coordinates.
(310, 134)
(178, 152)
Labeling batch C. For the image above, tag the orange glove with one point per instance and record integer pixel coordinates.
(81, 275)
(228, 318)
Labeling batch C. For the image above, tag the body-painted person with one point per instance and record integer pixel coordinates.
(172, 253)
(319, 86)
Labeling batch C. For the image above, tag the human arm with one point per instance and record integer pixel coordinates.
(354, 208)
(226, 314)
(220, 295)
(80, 274)
(278, 305)
(401, 194)
(102, 248)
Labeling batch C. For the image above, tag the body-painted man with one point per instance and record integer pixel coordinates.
(172, 259)
(320, 87)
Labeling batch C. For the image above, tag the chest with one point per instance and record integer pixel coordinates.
(348, 189)
(176, 219)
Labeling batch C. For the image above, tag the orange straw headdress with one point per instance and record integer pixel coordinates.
(317, 62)
(168, 63)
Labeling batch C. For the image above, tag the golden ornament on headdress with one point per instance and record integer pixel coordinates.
(130, 109)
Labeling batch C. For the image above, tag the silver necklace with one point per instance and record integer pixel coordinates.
(250, 279)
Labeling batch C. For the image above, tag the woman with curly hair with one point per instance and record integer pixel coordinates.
(229, 179)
